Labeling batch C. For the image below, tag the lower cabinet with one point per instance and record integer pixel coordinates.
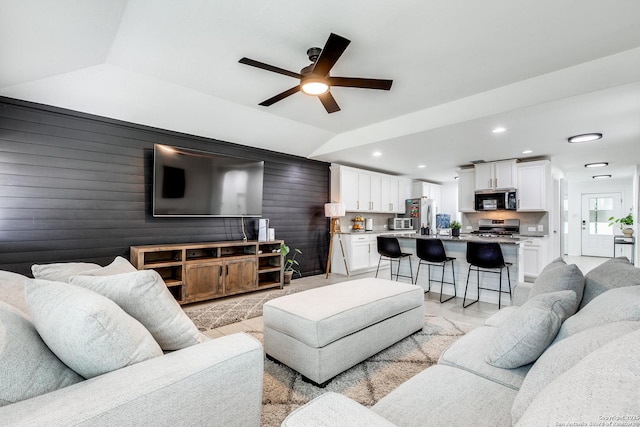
(360, 251)
(535, 256)
(203, 271)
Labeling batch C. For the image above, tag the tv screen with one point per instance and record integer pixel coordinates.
(198, 183)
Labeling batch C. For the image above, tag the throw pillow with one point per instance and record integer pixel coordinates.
(613, 273)
(559, 276)
(558, 262)
(615, 305)
(87, 331)
(604, 383)
(530, 329)
(561, 357)
(118, 266)
(144, 295)
(61, 271)
(12, 290)
(27, 367)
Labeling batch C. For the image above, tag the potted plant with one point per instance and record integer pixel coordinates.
(290, 264)
(455, 228)
(625, 224)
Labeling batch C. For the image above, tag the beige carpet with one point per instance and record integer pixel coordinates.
(215, 314)
(366, 382)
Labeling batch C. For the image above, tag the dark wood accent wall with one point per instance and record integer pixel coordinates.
(77, 187)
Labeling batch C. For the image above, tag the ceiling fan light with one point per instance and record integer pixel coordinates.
(314, 86)
(585, 137)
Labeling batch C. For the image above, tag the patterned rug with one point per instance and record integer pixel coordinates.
(368, 381)
(214, 314)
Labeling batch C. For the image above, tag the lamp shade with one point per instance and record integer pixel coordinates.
(334, 210)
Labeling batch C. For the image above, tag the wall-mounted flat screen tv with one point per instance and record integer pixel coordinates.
(191, 183)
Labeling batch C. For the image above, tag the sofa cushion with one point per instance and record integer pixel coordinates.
(87, 331)
(613, 273)
(118, 266)
(144, 295)
(530, 330)
(469, 354)
(446, 396)
(61, 271)
(27, 367)
(604, 383)
(612, 306)
(558, 276)
(562, 356)
(498, 319)
(12, 290)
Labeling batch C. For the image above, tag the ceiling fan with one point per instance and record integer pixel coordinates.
(315, 78)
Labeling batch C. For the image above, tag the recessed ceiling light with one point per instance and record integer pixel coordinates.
(498, 130)
(585, 137)
(422, 166)
(455, 177)
(596, 165)
(601, 176)
(527, 152)
(377, 154)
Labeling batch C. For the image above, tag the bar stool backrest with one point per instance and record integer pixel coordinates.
(389, 247)
(485, 255)
(431, 250)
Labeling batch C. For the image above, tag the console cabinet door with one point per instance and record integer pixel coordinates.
(203, 281)
(240, 275)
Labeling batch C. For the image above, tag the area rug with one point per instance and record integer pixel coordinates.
(368, 381)
(215, 314)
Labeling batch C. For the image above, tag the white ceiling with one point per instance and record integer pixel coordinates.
(544, 69)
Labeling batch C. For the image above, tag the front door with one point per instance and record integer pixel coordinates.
(597, 235)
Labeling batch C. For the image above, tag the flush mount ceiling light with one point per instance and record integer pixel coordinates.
(499, 130)
(601, 176)
(585, 137)
(596, 165)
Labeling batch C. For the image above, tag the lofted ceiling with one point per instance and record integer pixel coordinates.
(544, 70)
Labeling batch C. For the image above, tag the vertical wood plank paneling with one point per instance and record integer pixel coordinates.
(76, 187)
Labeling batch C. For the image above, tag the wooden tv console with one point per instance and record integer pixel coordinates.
(203, 271)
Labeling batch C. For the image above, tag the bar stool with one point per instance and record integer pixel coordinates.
(389, 248)
(431, 252)
(486, 257)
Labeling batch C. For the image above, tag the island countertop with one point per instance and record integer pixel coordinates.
(463, 238)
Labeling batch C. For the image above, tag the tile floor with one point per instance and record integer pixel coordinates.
(475, 314)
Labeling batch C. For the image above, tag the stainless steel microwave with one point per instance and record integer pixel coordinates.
(499, 201)
(400, 224)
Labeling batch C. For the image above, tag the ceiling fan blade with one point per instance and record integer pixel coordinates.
(361, 83)
(268, 67)
(330, 54)
(329, 102)
(280, 96)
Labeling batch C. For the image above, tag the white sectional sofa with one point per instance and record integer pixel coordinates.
(198, 381)
(534, 365)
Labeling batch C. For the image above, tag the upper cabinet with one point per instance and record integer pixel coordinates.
(365, 191)
(429, 190)
(500, 175)
(534, 186)
(466, 190)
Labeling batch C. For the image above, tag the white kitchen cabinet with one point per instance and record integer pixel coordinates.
(358, 253)
(366, 191)
(404, 193)
(499, 175)
(429, 190)
(535, 256)
(534, 186)
(360, 250)
(466, 190)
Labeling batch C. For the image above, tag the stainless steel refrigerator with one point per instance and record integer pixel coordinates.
(423, 213)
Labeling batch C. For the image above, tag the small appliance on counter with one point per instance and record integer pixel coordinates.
(368, 224)
(400, 224)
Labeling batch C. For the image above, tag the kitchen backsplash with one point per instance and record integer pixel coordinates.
(531, 223)
(379, 220)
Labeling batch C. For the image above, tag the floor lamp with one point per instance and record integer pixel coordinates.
(335, 211)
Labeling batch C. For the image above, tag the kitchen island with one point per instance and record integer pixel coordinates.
(512, 250)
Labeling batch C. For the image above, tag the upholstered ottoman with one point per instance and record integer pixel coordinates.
(324, 331)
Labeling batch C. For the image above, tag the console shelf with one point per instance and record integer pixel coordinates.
(202, 271)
